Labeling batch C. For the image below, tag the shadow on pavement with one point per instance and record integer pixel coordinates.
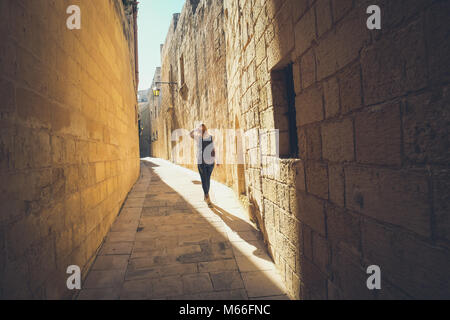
(168, 244)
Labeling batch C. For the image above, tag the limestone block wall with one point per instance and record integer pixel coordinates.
(361, 173)
(154, 107)
(144, 138)
(369, 185)
(193, 56)
(69, 150)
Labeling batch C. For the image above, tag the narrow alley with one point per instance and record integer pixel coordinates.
(167, 243)
(323, 124)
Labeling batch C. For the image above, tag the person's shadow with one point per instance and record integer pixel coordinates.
(149, 163)
(239, 226)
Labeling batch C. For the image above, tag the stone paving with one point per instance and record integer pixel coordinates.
(167, 243)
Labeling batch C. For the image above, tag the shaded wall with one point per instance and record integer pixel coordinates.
(144, 138)
(369, 184)
(361, 177)
(155, 110)
(69, 148)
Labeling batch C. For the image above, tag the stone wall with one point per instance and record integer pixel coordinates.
(144, 138)
(363, 170)
(69, 148)
(373, 154)
(155, 108)
(195, 45)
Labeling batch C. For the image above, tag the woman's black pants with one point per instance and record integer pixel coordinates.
(205, 171)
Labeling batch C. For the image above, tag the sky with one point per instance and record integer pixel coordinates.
(154, 19)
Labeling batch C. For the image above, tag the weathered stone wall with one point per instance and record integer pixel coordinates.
(369, 185)
(372, 125)
(69, 148)
(196, 36)
(144, 138)
(155, 109)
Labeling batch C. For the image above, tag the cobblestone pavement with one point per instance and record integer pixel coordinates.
(168, 244)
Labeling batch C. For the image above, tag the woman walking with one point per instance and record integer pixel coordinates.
(205, 157)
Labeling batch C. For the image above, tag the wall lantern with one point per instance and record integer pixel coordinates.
(156, 90)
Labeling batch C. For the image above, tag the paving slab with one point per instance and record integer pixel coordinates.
(99, 294)
(112, 248)
(111, 262)
(227, 280)
(260, 284)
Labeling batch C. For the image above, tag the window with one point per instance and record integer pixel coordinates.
(283, 93)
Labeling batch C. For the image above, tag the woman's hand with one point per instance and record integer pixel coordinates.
(193, 133)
